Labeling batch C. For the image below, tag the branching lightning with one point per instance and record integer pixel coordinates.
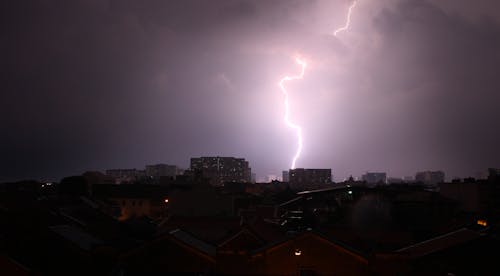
(348, 21)
(303, 65)
(294, 126)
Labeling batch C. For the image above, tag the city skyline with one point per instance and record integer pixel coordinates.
(156, 170)
(262, 177)
(94, 85)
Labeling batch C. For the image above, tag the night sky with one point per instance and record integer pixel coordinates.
(94, 84)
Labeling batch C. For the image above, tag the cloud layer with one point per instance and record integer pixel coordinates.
(103, 84)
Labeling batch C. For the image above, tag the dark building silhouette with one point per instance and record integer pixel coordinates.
(494, 174)
(475, 196)
(304, 179)
(161, 170)
(125, 175)
(193, 228)
(286, 176)
(222, 169)
(124, 202)
(430, 177)
(375, 177)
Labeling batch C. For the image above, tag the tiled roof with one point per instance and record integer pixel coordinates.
(193, 242)
(314, 233)
(439, 243)
(83, 240)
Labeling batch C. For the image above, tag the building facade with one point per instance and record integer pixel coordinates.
(125, 175)
(161, 170)
(375, 177)
(286, 176)
(307, 179)
(222, 169)
(430, 177)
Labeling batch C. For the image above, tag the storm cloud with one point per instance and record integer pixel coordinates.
(92, 85)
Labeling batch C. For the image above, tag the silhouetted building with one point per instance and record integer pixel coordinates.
(178, 253)
(493, 174)
(430, 177)
(136, 207)
(125, 202)
(308, 253)
(253, 177)
(375, 177)
(286, 176)
(74, 186)
(394, 180)
(126, 175)
(95, 177)
(447, 254)
(408, 179)
(472, 195)
(200, 201)
(305, 179)
(222, 169)
(161, 170)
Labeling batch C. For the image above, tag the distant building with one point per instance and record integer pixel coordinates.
(125, 175)
(408, 179)
(201, 201)
(472, 195)
(430, 177)
(136, 207)
(493, 174)
(161, 170)
(375, 177)
(286, 176)
(222, 169)
(305, 179)
(96, 177)
(125, 202)
(395, 180)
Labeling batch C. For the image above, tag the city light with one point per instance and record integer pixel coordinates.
(482, 222)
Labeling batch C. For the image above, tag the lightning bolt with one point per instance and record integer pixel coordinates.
(303, 65)
(294, 126)
(348, 21)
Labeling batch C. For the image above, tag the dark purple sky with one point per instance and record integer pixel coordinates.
(91, 85)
